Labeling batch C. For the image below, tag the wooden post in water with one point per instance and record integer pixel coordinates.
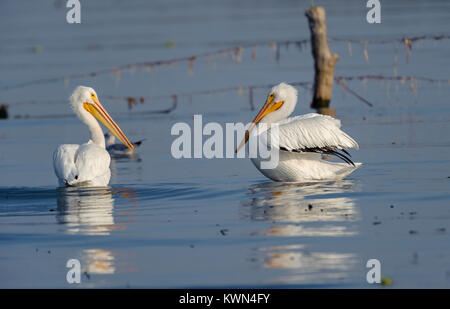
(324, 61)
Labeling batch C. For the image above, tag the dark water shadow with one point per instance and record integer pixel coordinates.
(125, 157)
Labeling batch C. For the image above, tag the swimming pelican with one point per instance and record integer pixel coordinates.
(119, 149)
(87, 164)
(302, 140)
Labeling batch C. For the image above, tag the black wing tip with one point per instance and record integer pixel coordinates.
(138, 143)
(326, 150)
(346, 152)
(343, 156)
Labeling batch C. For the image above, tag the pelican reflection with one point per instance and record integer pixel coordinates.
(299, 210)
(306, 266)
(90, 211)
(300, 202)
(87, 211)
(98, 261)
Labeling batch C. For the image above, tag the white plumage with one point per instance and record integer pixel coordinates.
(301, 141)
(313, 130)
(87, 164)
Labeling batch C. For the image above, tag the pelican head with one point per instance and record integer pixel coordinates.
(280, 103)
(86, 105)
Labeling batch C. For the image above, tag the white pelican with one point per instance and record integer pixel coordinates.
(87, 164)
(301, 141)
(119, 149)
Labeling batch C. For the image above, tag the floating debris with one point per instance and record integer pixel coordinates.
(386, 281)
(4, 111)
(415, 259)
(238, 54)
(191, 65)
(88, 276)
(341, 80)
(255, 48)
(366, 54)
(408, 48)
(37, 49)
(250, 96)
(272, 45)
(170, 44)
(66, 82)
(116, 72)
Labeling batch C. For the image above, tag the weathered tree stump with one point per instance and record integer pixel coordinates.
(324, 61)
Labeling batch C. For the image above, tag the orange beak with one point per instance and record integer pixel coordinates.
(98, 111)
(268, 108)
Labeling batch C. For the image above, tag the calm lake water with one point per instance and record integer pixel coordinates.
(219, 223)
